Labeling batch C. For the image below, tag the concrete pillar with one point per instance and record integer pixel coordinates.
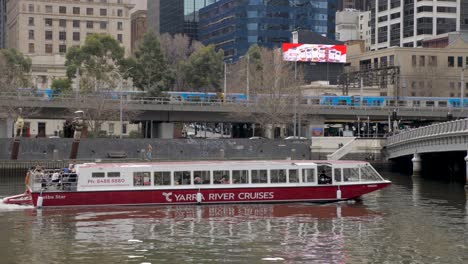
(466, 172)
(316, 127)
(416, 164)
(166, 130)
(269, 131)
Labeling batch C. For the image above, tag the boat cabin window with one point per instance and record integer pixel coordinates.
(337, 172)
(293, 176)
(201, 177)
(113, 174)
(277, 176)
(162, 178)
(141, 178)
(259, 176)
(98, 175)
(351, 174)
(308, 175)
(369, 174)
(221, 177)
(240, 176)
(182, 178)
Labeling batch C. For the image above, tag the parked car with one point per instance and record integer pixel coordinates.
(295, 138)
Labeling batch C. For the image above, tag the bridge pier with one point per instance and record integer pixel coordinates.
(416, 164)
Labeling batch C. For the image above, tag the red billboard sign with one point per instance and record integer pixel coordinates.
(314, 53)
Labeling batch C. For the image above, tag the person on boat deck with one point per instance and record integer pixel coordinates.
(324, 179)
(56, 177)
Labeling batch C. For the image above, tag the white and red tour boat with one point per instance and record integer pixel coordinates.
(200, 182)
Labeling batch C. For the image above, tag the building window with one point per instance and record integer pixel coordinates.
(451, 61)
(119, 26)
(119, 12)
(111, 129)
(31, 8)
(89, 24)
(48, 35)
(460, 61)
(48, 9)
(48, 48)
(76, 36)
(62, 9)
(76, 23)
(31, 21)
(31, 48)
(89, 11)
(124, 128)
(31, 34)
(452, 85)
(103, 24)
(63, 48)
(413, 60)
(62, 23)
(422, 61)
(76, 10)
(48, 22)
(120, 38)
(103, 12)
(433, 61)
(62, 35)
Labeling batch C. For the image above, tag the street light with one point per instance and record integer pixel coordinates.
(121, 90)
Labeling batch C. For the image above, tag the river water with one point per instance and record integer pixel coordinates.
(413, 221)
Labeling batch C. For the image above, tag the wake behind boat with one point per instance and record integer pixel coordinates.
(200, 182)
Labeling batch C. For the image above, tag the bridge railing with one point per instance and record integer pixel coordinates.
(138, 100)
(432, 130)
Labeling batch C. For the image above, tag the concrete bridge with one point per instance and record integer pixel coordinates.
(160, 109)
(443, 137)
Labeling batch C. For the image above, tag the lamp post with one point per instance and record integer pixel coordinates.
(121, 104)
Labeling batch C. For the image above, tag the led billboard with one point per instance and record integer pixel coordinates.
(314, 53)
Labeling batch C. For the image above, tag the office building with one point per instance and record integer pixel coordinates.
(234, 25)
(422, 71)
(175, 16)
(360, 5)
(44, 30)
(407, 23)
(352, 24)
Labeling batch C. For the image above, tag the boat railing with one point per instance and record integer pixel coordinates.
(52, 181)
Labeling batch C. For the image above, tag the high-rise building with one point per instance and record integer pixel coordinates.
(175, 16)
(234, 25)
(44, 30)
(352, 24)
(2, 23)
(360, 5)
(407, 23)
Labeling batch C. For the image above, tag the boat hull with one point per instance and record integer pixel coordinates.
(319, 193)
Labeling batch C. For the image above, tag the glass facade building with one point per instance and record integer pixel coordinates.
(178, 16)
(234, 25)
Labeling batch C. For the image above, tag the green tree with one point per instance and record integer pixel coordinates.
(15, 70)
(149, 68)
(61, 86)
(96, 62)
(204, 69)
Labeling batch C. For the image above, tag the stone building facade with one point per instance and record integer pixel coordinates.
(436, 72)
(44, 30)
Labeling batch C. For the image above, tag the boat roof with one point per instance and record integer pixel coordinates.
(219, 162)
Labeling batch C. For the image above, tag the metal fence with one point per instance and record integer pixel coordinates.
(427, 131)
